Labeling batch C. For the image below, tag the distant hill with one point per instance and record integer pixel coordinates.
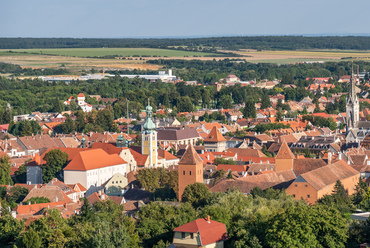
(230, 43)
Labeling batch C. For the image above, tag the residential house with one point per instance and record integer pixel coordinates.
(202, 232)
(215, 142)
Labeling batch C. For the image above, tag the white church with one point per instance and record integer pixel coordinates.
(80, 101)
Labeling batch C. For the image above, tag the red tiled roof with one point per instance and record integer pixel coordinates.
(210, 232)
(227, 167)
(214, 136)
(329, 174)
(284, 152)
(190, 157)
(93, 159)
(81, 95)
(166, 155)
(139, 158)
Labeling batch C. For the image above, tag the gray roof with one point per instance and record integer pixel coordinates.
(173, 134)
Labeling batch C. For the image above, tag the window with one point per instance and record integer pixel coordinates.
(190, 173)
(183, 172)
(294, 195)
(295, 185)
(306, 185)
(192, 235)
(120, 181)
(308, 196)
(112, 182)
(183, 235)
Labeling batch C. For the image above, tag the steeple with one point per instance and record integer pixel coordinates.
(149, 125)
(352, 106)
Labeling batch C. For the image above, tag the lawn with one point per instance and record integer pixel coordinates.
(101, 52)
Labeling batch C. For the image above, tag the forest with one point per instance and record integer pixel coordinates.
(205, 44)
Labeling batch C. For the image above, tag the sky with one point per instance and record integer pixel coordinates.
(180, 18)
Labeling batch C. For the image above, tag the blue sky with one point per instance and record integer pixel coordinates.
(180, 18)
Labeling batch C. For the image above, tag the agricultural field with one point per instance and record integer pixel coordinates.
(298, 56)
(101, 52)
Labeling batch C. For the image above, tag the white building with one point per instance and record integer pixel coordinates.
(92, 168)
(80, 101)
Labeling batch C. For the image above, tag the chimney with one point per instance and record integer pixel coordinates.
(99, 192)
(208, 219)
(340, 156)
(329, 157)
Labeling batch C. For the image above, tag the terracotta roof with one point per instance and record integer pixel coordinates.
(284, 152)
(329, 174)
(190, 157)
(77, 187)
(80, 95)
(95, 197)
(38, 142)
(64, 187)
(210, 232)
(53, 193)
(93, 159)
(166, 155)
(71, 152)
(117, 199)
(108, 148)
(247, 152)
(246, 184)
(227, 167)
(70, 142)
(303, 165)
(139, 158)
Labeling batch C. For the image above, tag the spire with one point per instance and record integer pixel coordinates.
(149, 124)
(190, 157)
(215, 136)
(284, 152)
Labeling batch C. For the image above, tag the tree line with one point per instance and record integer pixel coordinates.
(232, 43)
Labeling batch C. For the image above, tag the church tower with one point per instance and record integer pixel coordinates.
(190, 169)
(149, 139)
(352, 107)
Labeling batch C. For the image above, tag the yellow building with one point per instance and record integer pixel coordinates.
(149, 139)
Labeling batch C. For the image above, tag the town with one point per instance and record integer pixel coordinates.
(312, 154)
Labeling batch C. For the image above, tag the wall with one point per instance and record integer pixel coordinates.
(302, 190)
(189, 174)
(34, 174)
(283, 164)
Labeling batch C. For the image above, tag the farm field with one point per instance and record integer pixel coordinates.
(303, 55)
(101, 52)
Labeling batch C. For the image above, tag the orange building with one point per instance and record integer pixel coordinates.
(284, 158)
(313, 185)
(190, 169)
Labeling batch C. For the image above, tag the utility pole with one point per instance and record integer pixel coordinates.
(128, 127)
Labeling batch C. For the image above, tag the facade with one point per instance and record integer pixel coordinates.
(284, 158)
(313, 185)
(215, 142)
(115, 185)
(92, 168)
(202, 232)
(177, 136)
(149, 139)
(190, 169)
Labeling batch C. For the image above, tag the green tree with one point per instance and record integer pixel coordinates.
(55, 162)
(5, 178)
(37, 200)
(265, 102)
(104, 119)
(57, 106)
(307, 153)
(249, 110)
(9, 228)
(196, 194)
(279, 115)
(292, 228)
(31, 239)
(80, 121)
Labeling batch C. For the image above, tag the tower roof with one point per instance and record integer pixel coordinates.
(190, 156)
(215, 136)
(284, 152)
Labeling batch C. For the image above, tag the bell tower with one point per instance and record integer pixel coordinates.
(352, 107)
(149, 138)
